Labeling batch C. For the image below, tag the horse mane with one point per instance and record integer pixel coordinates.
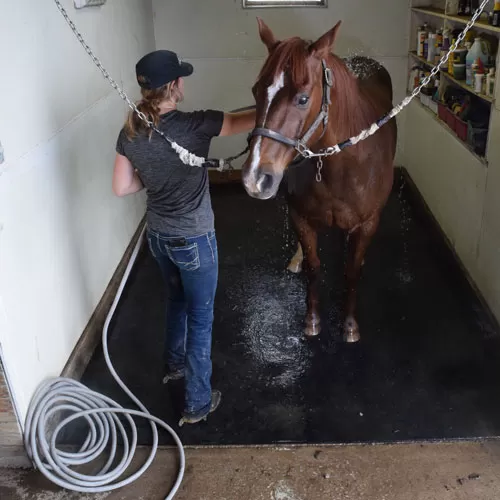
(289, 57)
(354, 106)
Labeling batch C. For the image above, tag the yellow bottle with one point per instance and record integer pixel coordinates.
(450, 60)
(470, 36)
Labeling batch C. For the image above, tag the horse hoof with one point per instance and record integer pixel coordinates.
(351, 331)
(312, 329)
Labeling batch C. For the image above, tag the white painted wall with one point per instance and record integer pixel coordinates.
(450, 178)
(222, 42)
(462, 193)
(62, 231)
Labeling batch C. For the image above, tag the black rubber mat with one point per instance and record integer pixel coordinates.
(427, 367)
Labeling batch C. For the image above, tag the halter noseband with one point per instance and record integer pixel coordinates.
(301, 144)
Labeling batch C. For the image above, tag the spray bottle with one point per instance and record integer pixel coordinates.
(421, 37)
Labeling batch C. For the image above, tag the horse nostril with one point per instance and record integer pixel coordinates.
(264, 183)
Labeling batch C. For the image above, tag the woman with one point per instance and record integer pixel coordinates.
(180, 219)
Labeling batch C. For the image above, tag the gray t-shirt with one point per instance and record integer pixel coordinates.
(178, 197)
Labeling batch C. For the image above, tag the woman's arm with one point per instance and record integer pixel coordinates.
(125, 178)
(236, 123)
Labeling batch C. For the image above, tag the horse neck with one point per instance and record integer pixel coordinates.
(352, 110)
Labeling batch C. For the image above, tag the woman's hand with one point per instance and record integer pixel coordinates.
(125, 178)
(236, 123)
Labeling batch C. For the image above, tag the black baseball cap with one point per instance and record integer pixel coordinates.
(159, 68)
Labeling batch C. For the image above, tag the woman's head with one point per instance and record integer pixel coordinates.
(160, 76)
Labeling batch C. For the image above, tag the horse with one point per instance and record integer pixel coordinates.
(308, 98)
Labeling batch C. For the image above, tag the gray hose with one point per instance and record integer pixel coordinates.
(65, 395)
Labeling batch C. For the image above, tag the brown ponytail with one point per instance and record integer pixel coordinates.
(150, 106)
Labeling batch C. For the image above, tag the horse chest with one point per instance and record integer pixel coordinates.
(329, 212)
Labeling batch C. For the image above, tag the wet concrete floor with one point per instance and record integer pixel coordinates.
(455, 471)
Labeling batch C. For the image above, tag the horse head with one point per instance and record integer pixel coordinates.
(292, 95)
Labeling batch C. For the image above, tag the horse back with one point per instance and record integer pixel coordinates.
(372, 76)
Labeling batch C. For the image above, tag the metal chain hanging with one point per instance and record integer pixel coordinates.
(223, 164)
(319, 166)
(185, 156)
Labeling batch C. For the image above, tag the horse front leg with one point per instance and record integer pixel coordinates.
(308, 244)
(358, 244)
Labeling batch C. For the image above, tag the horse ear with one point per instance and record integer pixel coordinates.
(266, 35)
(323, 45)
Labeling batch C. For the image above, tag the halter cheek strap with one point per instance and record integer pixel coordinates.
(322, 117)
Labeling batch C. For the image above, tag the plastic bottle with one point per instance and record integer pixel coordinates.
(446, 39)
(445, 48)
(438, 45)
(477, 51)
(419, 41)
(421, 36)
(413, 79)
(431, 47)
(439, 41)
(437, 84)
(478, 82)
(450, 61)
(495, 20)
(474, 70)
(490, 83)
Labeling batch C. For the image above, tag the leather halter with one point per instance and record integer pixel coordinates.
(300, 144)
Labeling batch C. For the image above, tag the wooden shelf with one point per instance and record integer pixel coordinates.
(421, 59)
(435, 117)
(479, 24)
(440, 13)
(466, 87)
(430, 11)
(446, 75)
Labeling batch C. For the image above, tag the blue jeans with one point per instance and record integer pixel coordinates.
(190, 270)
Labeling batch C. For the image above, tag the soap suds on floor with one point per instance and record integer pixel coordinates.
(282, 491)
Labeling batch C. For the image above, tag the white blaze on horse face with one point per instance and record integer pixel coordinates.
(278, 84)
(272, 90)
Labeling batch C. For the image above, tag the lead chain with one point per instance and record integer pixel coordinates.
(319, 166)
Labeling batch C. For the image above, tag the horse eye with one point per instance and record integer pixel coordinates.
(303, 100)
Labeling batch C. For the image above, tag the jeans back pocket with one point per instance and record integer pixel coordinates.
(186, 258)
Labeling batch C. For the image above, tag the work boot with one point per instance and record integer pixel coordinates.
(172, 374)
(189, 419)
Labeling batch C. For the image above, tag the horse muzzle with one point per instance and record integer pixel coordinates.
(261, 182)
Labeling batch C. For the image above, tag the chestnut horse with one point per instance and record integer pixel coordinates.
(308, 97)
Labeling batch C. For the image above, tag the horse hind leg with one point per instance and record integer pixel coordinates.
(358, 244)
(295, 264)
